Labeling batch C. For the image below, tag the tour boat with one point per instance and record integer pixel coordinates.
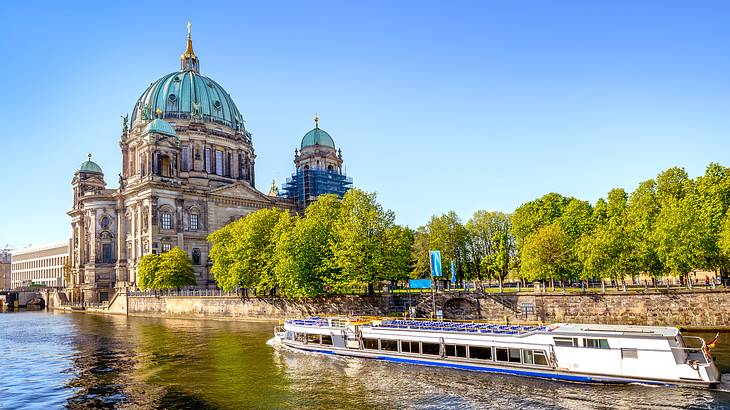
(569, 352)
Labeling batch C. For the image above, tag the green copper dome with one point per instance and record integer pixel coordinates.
(90, 167)
(187, 95)
(317, 136)
(160, 126)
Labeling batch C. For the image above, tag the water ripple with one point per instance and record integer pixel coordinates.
(82, 361)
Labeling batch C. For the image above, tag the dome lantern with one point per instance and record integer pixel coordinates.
(188, 60)
(317, 136)
(90, 167)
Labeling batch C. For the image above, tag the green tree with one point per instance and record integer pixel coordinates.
(243, 252)
(447, 235)
(420, 255)
(607, 252)
(174, 270)
(491, 246)
(147, 271)
(304, 253)
(641, 214)
(713, 192)
(360, 241)
(398, 260)
(723, 241)
(170, 270)
(682, 237)
(546, 254)
(530, 216)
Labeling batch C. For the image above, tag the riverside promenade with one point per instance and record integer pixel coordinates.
(691, 308)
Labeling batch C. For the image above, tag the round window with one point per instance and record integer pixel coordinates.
(172, 98)
(105, 222)
(217, 105)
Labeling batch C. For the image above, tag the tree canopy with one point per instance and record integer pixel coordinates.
(669, 225)
(170, 270)
(335, 246)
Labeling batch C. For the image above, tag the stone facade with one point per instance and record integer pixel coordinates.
(187, 170)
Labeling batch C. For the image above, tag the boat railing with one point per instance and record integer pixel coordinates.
(458, 327)
(695, 354)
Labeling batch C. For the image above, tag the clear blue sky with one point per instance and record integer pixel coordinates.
(437, 106)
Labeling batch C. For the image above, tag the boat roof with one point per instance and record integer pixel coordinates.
(618, 330)
(567, 329)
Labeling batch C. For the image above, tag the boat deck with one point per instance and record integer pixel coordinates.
(459, 327)
(433, 325)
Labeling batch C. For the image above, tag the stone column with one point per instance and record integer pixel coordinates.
(82, 240)
(121, 267)
(92, 237)
(180, 220)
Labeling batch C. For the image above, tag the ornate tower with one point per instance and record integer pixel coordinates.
(93, 235)
(318, 169)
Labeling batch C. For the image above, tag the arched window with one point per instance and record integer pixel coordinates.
(107, 250)
(165, 166)
(166, 220)
(194, 222)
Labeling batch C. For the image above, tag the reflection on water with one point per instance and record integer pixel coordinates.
(53, 360)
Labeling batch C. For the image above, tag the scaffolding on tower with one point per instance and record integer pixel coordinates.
(306, 185)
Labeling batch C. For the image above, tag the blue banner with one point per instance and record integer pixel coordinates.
(419, 283)
(453, 273)
(435, 263)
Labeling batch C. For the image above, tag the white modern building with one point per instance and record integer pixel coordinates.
(40, 265)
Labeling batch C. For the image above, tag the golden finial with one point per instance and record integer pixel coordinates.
(158, 111)
(189, 53)
(316, 120)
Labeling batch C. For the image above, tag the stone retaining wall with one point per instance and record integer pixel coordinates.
(262, 308)
(692, 308)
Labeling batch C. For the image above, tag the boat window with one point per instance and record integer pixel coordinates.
(596, 343)
(391, 345)
(312, 338)
(629, 353)
(534, 357)
(430, 348)
(371, 344)
(540, 357)
(514, 356)
(300, 337)
(502, 354)
(327, 340)
(480, 353)
(527, 357)
(409, 347)
(455, 351)
(566, 341)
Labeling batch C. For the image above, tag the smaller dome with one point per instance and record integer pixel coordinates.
(90, 167)
(317, 136)
(160, 126)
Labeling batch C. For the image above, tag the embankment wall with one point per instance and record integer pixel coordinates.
(695, 308)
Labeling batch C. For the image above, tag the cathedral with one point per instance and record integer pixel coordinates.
(187, 170)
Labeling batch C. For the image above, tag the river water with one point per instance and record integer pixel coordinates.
(64, 360)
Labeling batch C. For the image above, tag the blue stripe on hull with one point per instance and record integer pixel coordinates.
(503, 370)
